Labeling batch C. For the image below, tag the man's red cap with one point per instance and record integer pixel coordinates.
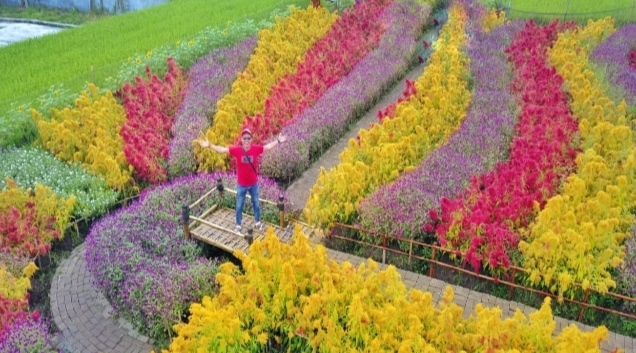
(246, 132)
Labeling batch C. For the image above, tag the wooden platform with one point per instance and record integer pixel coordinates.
(230, 241)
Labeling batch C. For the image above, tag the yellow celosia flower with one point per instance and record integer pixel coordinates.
(30, 269)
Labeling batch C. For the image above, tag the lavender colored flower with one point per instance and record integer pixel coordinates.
(322, 124)
(210, 79)
(481, 141)
(613, 53)
(142, 262)
(26, 335)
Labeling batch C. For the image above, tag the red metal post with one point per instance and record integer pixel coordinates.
(584, 304)
(431, 271)
(512, 289)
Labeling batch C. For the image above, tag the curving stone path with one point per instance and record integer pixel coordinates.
(84, 316)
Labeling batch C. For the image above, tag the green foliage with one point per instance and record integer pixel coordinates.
(29, 166)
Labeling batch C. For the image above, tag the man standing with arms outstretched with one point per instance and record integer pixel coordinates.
(247, 162)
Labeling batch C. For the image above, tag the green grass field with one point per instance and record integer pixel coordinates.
(95, 51)
(621, 10)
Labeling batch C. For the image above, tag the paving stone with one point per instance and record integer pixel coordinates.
(78, 313)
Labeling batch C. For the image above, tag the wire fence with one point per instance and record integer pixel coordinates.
(570, 10)
(428, 259)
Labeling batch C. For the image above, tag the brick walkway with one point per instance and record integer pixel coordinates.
(83, 315)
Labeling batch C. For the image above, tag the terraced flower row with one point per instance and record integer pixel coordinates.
(277, 53)
(479, 143)
(579, 235)
(485, 219)
(319, 126)
(331, 58)
(559, 200)
(420, 125)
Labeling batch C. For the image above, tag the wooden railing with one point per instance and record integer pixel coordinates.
(189, 221)
(510, 273)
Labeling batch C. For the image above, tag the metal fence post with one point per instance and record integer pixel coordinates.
(281, 210)
(511, 292)
(219, 186)
(250, 237)
(584, 305)
(384, 248)
(431, 271)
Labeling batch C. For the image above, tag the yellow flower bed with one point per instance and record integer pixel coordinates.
(577, 237)
(47, 204)
(88, 133)
(278, 52)
(294, 296)
(421, 124)
(15, 288)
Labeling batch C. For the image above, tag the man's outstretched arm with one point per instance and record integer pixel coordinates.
(219, 149)
(278, 141)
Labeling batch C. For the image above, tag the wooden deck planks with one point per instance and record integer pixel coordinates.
(228, 240)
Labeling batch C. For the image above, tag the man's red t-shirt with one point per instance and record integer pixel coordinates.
(247, 176)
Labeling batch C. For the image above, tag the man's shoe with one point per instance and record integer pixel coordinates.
(259, 226)
(238, 228)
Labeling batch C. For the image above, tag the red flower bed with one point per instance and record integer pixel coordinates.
(632, 58)
(484, 220)
(24, 233)
(351, 37)
(150, 106)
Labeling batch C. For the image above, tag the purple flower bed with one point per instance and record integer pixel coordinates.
(614, 54)
(142, 262)
(481, 141)
(26, 335)
(322, 124)
(210, 79)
